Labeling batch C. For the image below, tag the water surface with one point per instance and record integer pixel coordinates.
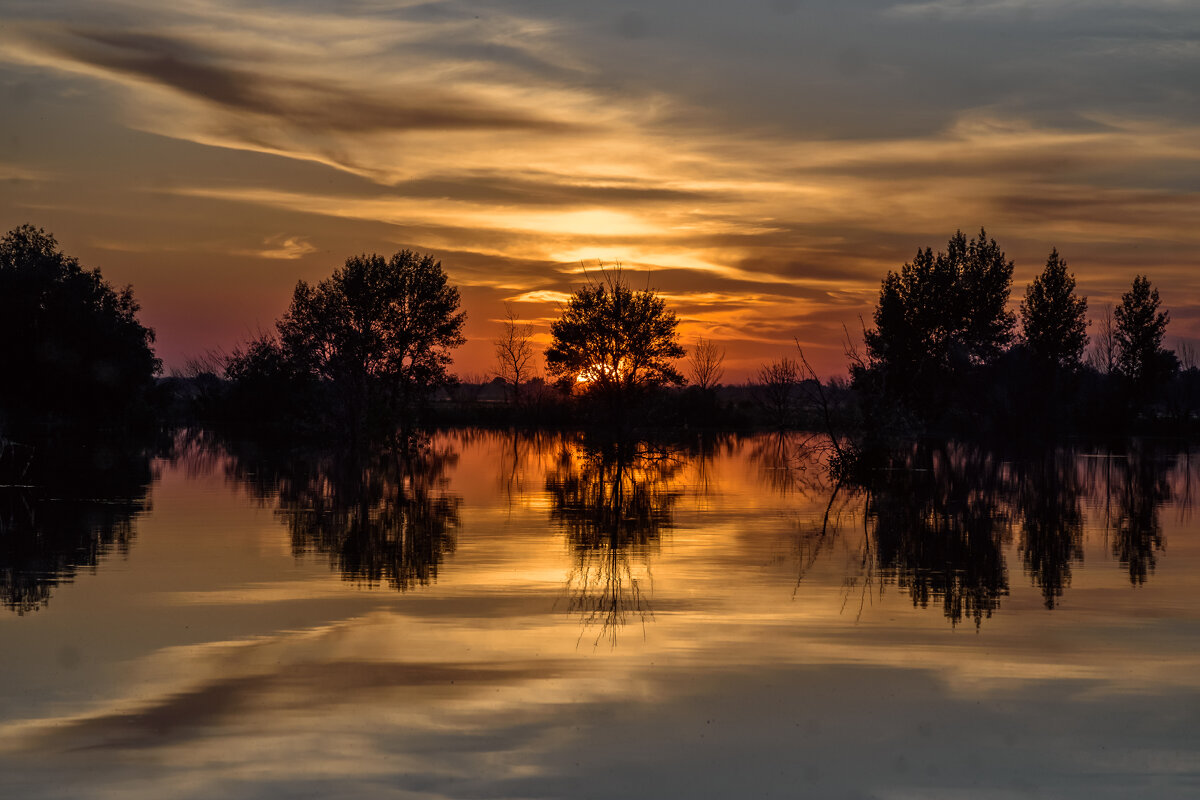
(527, 617)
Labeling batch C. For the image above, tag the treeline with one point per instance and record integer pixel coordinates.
(364, 355)
(947, 355)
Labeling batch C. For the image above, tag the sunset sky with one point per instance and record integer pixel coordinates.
(765, 162)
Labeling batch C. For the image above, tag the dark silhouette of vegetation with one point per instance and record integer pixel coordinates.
(361, 351)
(73, 353)
(1103, 355)
(777, 384)
(615, 343)
(1140, 327)
(941, 358)
(514, 353)
(938, 318)
(1054, 320)
(706, 364)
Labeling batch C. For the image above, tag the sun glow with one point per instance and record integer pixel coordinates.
(598, 371)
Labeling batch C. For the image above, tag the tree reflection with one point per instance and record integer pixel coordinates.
(938, 529)
(938, 520)
(613, 502)
(1137, 487)
(64, 508)
(1048, 503)
(381, 517)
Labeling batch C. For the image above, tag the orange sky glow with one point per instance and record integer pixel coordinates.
(762, 165)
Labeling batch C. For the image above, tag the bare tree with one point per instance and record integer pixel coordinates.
(514, 352)
(705, 363)
(1186, 350)
(778, 388)
(1103, 355)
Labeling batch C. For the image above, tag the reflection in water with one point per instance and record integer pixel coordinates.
(938, 530)
(938, 520)
(1137, 487)
(196, 677)
(382, 517)
(63, 509)
(613, 502)
(1049, 493)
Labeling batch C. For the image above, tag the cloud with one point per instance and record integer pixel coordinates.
(283, 248)
(731, 151)
(541, 296)
(181, 65)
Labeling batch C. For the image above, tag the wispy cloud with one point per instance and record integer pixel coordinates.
(790, 153)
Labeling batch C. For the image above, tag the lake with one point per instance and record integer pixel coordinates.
(527, 617)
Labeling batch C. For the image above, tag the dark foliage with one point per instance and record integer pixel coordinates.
(1054, 319)
(937, 319)
(1140, 326)
(615, 343)
(361, 351)
(74, 352)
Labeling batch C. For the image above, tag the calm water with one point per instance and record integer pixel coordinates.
(522, 618)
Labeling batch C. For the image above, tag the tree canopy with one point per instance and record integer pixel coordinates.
(1054, 318)
(377, 334)
(73, 350)
(614, 339)
(1140, 328)
(941, 314)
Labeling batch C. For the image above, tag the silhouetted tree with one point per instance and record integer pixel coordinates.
(615, 341)
(777, 391)
(1139, 332)
(939, 316)
(376, 337)
(1054, 318)
(71, 347)
(1103, 356)
(705, 363)
(514, 352)
(265, 386)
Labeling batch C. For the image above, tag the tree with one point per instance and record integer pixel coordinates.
(1139, 332)
(778, 381)
(1053, 318)
(514, 352)
(73, 350)
(378, 332)
(614, 340)
(705, 363)
(940, 316)
(1103, 357)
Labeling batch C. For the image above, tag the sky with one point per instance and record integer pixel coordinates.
(762, 164)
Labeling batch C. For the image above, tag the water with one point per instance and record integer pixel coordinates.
(520, 617)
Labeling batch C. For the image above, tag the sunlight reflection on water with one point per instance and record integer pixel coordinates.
(526, 616)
